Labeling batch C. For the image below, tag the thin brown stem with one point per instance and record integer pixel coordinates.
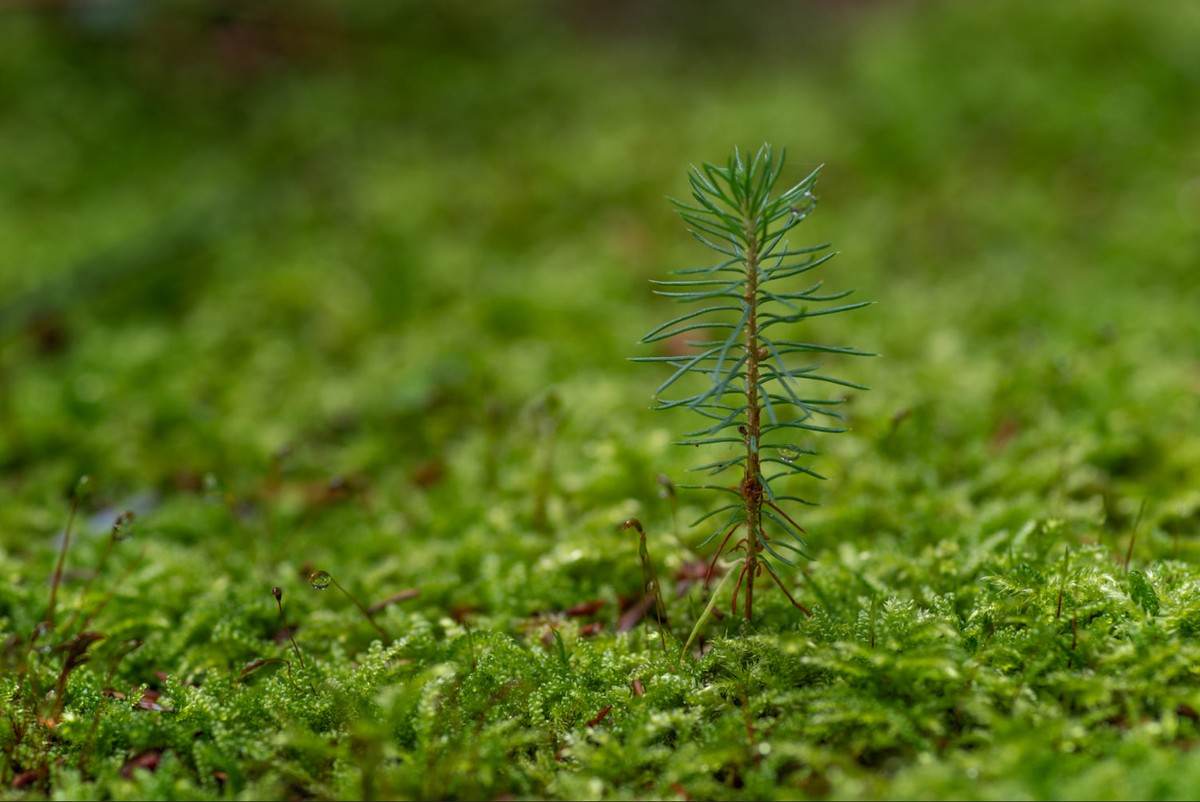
(278, 594)
(62, 557)
(366, 613)
(751, 488)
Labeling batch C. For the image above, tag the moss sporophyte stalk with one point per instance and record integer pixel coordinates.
(321, 580)
(754, 401)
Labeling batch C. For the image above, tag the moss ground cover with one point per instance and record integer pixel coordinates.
(352, 291)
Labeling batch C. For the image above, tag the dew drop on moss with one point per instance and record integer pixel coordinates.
(320, 579)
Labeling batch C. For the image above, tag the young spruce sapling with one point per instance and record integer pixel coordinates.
(754, 398)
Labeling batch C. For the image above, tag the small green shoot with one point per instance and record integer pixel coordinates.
(708, 608)
(651, 588)
(560, 649)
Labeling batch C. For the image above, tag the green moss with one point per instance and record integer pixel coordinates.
(300, 303)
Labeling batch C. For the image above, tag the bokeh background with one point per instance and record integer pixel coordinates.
(368, 240)
(352, 287)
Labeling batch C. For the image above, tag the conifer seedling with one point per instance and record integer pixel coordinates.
(736, 357)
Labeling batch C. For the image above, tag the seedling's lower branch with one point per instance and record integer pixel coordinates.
(791, 598)
(712, 565)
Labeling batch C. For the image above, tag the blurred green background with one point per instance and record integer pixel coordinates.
(352, 286)
(361, 239)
